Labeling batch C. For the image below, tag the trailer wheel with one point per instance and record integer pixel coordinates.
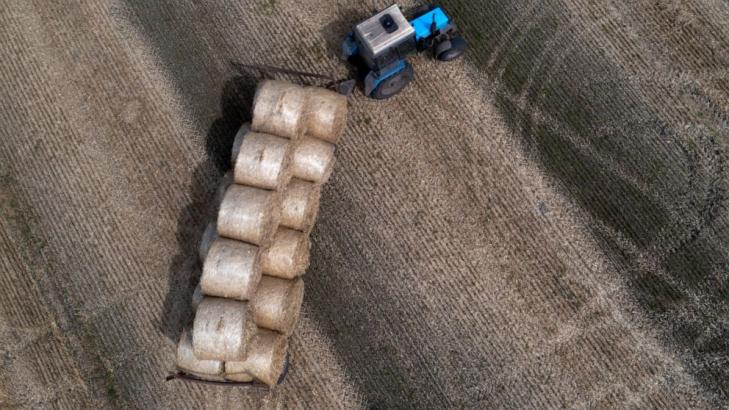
(393, 85)
(451, 49)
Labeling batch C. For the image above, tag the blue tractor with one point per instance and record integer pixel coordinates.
(379, 46)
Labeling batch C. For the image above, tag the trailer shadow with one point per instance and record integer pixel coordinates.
(185, 268)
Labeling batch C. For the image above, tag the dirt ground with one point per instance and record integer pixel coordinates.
(541, 224)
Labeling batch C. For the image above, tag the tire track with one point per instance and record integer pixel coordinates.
(574, 182)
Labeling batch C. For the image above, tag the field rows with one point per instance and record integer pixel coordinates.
(543, 224)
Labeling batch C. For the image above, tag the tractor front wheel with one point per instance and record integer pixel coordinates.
(394, 84)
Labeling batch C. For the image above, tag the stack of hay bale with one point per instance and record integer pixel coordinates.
(250, 291)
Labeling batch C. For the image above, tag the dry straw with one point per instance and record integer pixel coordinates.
(249, 214)
(277, 303)
(263, 161)
(242, 131)
(232, 269)
(222, 329)
(313, 160)
(326, 114)
(265, 360)
(278, 109)
(188, 363)
(288, 255)
(300, 205)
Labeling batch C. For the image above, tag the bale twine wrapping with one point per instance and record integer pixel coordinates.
(288, 255)
(242, 131)
(313, 160)
(263, 161)
(264, 361)
(188, 363)
(300, 205)
(232, 269)
(326, 114)
(207, 239)
(278, 109)
(222, 329)
(249, 214)
(277, 303)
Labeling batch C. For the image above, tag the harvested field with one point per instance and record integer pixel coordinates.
(542, 224)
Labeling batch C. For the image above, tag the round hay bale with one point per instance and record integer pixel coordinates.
(277, 303)
(249, 214)
(188, 363)
(197, 297)
(313, 160)
(288, 255)
(242, 131)
(207, 239)
(222, 329)
(278, 109)
(300, 205)
(264, 361)
(232, 270)
(263, 161)
(326, 114)
(238, 376)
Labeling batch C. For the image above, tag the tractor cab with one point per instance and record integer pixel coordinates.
(385, 38)
(381, 44)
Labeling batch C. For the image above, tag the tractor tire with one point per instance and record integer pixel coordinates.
(393, 85)
(451, 49)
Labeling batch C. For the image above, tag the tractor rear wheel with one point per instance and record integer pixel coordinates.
(451, 49)
(394, 84)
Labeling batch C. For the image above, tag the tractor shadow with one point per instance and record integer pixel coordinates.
(334, 34)
(185, 268)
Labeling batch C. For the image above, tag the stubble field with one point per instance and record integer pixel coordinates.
(541, 224)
